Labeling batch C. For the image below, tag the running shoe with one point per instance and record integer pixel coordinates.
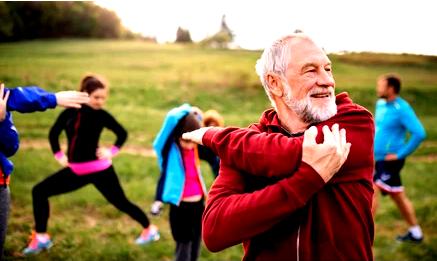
(148, 235)
(35, 246)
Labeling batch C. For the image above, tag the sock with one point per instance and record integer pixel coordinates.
(416, 231)
(42, 237)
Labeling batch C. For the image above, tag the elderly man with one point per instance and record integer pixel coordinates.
(276, 191)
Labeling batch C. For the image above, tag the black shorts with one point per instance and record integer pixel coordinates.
(387, 176)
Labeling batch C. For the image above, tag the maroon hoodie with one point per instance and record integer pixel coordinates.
(278, 206)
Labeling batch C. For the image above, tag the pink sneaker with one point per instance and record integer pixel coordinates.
(35, 246)
(148, 235)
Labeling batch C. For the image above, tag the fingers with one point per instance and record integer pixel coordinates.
(310, 136)
(187, 136)
(336, 133)
(71, 98)
(346, 150)
(342, 138)
(2, 90)
(6, 96)
(328, 136)
(196, 136)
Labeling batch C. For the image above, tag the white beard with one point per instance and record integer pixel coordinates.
(306, 110)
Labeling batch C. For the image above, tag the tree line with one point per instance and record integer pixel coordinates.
(31, 20)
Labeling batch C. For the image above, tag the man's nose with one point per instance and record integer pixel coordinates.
(326, 79)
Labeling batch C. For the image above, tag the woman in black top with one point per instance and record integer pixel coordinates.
(85, 163)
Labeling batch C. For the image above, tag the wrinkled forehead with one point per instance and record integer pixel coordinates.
(304, 51)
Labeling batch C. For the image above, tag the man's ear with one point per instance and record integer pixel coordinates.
(275, 85)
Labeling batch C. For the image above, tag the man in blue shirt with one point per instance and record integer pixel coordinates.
(394, 117)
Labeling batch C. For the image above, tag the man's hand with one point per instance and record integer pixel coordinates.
(3, 102)
(72, 99)
(328, 157)
(196, 136)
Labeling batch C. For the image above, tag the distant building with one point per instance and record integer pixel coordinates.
(222, 39)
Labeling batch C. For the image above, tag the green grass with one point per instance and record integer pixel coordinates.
(83, 225)
(146, 81)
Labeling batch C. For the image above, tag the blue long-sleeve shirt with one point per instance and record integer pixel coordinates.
(393, 120)
(27, 99)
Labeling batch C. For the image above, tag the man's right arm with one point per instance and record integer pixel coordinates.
(232, 216)
(30, 99)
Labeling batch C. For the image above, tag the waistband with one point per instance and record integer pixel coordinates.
(89, 167)
(4, 181)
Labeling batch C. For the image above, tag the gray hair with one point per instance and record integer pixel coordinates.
(275, 59)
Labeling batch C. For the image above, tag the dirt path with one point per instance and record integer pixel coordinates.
(133, 150)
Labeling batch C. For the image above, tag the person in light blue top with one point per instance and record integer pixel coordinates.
(394, 118)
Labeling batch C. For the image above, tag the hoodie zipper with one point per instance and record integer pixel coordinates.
(73, 140)
(297, 243)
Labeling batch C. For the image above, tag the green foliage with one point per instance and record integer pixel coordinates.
(147, 80)
(30, 20)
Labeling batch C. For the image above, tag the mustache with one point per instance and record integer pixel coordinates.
(321, 90)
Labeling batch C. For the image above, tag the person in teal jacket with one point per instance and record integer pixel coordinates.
(394, 118)
(181, 184)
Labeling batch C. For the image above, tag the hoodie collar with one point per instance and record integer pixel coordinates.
(270, 120)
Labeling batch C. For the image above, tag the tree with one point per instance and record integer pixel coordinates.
(30, 20)
(183, 36)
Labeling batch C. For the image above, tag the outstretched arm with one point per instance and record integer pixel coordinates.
(274, 154)
(33, 98)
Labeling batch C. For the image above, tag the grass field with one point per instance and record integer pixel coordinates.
(146, 81)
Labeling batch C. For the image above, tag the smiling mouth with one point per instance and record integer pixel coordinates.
(320, 95)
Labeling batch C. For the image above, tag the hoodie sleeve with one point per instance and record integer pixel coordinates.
(277, 155)
(30, 99)
(258, 153)
(231, 215)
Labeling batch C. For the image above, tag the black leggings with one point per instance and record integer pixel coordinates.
(186, 228)
(65, 180)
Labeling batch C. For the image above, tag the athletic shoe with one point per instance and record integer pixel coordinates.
(408, 237)
(35, 246)
(148, 235)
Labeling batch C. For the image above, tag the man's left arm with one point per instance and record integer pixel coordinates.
(277, 155)
(417, 133)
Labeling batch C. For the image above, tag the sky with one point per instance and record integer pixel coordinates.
(402, 26)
